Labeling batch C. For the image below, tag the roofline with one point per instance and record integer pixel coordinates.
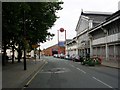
(78, 21)
(103, 24)
(96, 13)
(92, 13)
(72, 40)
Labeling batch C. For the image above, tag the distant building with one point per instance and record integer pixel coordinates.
(55, 49)
(66, 46)
(71, 47)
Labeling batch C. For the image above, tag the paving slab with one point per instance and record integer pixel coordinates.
(14, 75)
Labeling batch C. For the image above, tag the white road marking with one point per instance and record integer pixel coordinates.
(78, 68)
(42, 70)
(72, 65)
(81, 70)
(65, 63)
(46, 62)
(102, 82)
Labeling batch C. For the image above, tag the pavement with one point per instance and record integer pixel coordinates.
(14, 75)
(111, 63)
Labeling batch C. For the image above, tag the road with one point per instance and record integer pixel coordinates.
(60, 73)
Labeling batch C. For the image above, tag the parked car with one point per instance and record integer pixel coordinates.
(58, 55)
(67, 57)
(55, 55)
(62, 56)
(76, 58)
(71, 57)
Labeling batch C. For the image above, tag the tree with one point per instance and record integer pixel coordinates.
(26, 23)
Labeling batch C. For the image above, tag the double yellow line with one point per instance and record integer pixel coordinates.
(26, 85)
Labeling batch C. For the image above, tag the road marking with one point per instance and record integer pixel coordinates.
(56, 70)
(81, 70)
(78, 68)
(65, 63)
(42, 70)
(102, 82)
(72, 65)
(35, 74)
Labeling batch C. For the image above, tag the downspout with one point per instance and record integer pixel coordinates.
(106, 42)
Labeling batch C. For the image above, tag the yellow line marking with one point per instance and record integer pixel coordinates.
(35, 74)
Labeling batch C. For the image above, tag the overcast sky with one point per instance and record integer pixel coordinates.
(70, 13)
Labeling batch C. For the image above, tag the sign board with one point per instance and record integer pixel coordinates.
(35, 46)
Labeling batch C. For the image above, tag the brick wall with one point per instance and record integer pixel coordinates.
(48, 51)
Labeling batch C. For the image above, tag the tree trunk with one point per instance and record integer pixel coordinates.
(4, 55)
(19, 53)
(25, 68)
(13, 47)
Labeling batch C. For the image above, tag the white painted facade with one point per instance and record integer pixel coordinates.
(119, 5)
(71, 47)
(87, 21)
(107, 39)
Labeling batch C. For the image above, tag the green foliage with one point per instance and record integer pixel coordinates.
(29, 20)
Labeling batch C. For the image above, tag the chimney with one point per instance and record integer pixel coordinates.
(119, 5)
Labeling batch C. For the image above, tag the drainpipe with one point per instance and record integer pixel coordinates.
(91, 48)
(91, 37)
(106, 47)
(106, 42)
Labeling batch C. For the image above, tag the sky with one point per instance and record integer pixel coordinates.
(70, 14)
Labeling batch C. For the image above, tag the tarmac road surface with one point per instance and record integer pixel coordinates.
(60, 73)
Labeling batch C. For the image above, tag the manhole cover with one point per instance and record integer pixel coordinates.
(56, 70)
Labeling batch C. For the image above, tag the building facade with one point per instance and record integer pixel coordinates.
(55, 49)
(66, 46)
(87, 21)
(105, 38)
(71, 47)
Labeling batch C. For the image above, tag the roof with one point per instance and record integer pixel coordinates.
(72, 41)
(95, 16)
(113, 17)
(68, 40)
(95, 13)
(61, 44)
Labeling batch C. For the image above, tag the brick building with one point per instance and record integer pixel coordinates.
(55, 49)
